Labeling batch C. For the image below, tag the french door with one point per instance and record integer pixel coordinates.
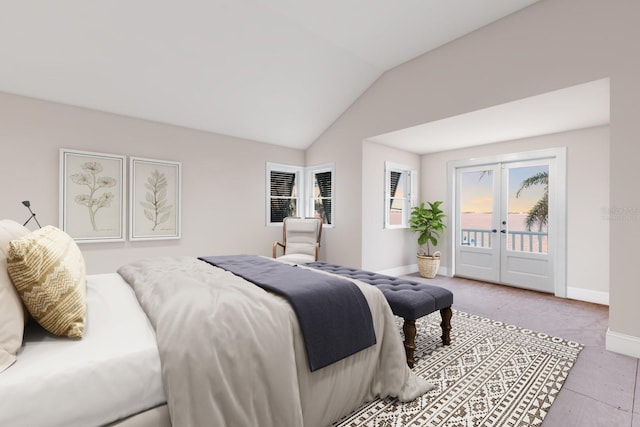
(505, 225)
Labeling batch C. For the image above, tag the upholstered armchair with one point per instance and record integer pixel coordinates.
(300, 240)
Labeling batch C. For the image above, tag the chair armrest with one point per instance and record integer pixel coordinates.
(317, 251)
(275, 247)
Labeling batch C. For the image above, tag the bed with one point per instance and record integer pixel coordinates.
(111, 373)
(177, 340)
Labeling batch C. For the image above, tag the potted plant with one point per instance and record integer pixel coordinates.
(428, 221)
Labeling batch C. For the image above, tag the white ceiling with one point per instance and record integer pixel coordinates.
(575, 107)
(276, 71)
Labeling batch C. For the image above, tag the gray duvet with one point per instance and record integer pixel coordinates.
(232, 353)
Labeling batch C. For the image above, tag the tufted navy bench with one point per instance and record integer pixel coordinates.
(407, 299)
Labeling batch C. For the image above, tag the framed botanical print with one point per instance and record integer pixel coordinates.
(154, 199)
(92, 196)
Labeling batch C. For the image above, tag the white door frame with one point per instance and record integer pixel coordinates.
(559, 258)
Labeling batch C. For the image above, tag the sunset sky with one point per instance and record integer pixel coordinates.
(476, 192)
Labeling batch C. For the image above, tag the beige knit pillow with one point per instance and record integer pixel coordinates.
(12, 313)
(48, 270)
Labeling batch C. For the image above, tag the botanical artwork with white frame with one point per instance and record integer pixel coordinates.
(154, 199)
(92, 196)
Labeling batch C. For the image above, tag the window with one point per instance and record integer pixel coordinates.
(320, 192)
(287, 194)
(398, 194)
(283, 200)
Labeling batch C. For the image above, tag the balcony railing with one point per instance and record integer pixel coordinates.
(524, 241)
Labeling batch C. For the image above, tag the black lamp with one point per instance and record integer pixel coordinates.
(33, 216)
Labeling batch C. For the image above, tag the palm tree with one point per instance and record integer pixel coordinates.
(539, 213)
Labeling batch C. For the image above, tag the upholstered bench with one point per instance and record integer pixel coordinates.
(407, 299)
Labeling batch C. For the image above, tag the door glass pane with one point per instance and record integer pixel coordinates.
(528, 209)
(476, 208)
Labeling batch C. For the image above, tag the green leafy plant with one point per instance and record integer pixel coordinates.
(429, 222)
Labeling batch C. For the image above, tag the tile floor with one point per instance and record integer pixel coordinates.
(601, 388)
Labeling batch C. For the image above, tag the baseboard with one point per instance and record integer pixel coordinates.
(443, 271)
(410, 269)
(623, 344)
(400, 271)
(597, 297)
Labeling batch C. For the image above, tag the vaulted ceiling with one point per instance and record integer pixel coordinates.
(275, 71)
(575, 107)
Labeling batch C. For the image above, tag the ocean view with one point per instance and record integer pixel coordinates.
(516, 223)
(483, 220)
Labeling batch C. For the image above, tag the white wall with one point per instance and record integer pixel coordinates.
(223, 198)
(587, 197)
(342, 243)
(376, 240)
(550, 45)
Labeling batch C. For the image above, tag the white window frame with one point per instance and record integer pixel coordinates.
(408, 192)
(310, 200)
(299, 172)
(304, 188)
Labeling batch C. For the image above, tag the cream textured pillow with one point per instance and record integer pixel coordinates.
(48, 270)
(12, 314)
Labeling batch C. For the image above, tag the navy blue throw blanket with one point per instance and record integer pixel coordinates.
(333, 314)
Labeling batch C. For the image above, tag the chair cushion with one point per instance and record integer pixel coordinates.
(301, 236)
(48, 270)
(297, 258)
(12, 313)
(408, 299)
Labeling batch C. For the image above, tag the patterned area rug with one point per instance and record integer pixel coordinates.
(492, 374)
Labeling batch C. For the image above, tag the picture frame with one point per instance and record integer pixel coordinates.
(92, 196)
(155, 204)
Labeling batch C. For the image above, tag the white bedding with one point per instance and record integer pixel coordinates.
(113, 372)
(233, 353)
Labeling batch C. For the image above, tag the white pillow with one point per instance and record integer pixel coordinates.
(12, 313)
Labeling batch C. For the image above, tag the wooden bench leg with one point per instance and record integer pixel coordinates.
(446, 314)
(409, 329)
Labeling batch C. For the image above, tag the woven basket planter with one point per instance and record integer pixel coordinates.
(428, 265)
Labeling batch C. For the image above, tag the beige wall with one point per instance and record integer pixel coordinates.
(587, 196)
(550, 45)
(223, 198)
(341, 244)
(384, 249)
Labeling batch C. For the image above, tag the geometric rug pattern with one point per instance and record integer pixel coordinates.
(492, 374)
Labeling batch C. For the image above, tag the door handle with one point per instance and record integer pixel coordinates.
(503, 231)
(494, 231)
